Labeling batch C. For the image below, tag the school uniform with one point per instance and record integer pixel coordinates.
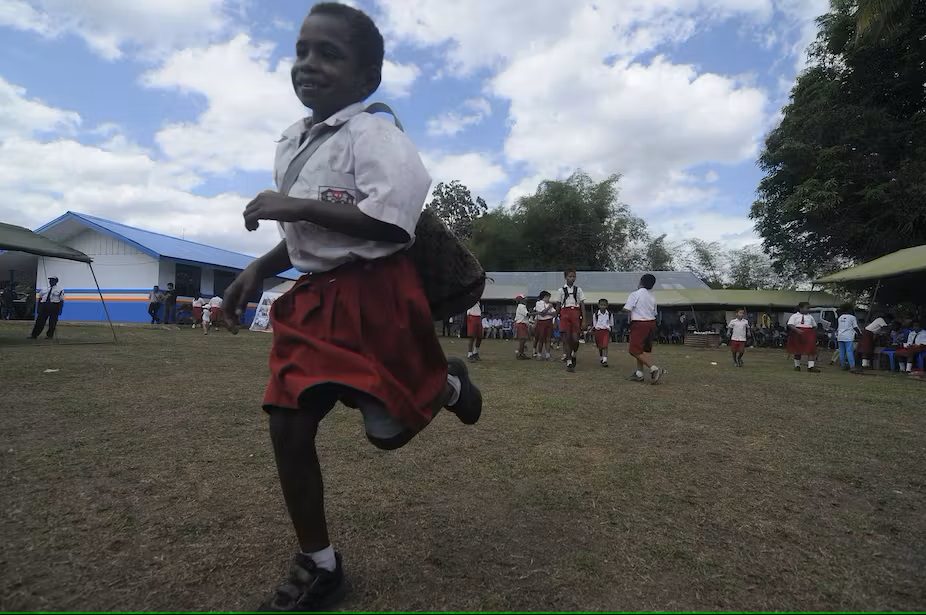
(521, 318)
(739, 331)
(357, 324)
(51, 301)
(198, 310)
(570, 313)
(603, 324)
(870, 336)
(642, 306)
(474, 326)
(543, 326)
(804, 340)
(915, 344)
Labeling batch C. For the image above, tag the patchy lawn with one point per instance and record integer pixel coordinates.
(140, 476)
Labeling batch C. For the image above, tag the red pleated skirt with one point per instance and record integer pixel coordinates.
(365, 326)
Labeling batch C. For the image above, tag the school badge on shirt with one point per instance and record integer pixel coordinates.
(333, 194)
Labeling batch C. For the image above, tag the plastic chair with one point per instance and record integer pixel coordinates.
(890, 356)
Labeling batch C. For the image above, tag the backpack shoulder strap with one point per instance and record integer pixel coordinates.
(381, 107)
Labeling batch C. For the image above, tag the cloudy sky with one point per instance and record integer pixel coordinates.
(163, 113)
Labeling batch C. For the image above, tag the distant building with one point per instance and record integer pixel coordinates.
(127, 261)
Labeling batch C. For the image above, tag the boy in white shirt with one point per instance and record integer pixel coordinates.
(521, 331)
(603, 325)
(802, 338)
(475, 331)
(846, 330)
(572, 306)
(642, 307)
(347, 214)
(739, 330)
(870, 335)
(545, 312)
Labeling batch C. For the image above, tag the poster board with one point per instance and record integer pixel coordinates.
(261, 320)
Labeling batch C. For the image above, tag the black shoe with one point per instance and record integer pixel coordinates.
(469, 407)
(571, 368)
(656, 376)
(308, 587)
(798, 368)
(814, 370)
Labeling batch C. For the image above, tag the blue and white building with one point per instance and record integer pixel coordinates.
(127, 261)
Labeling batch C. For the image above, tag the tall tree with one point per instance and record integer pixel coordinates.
(845, 171)
(453, 203)
(577, 222)
(658, 257)
(750, 268)
(706, 260)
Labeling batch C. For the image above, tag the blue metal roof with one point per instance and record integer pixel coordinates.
(160, 245)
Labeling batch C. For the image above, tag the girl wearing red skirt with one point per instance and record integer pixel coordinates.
(802, 338)
(356, 327)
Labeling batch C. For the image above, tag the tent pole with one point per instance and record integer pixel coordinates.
(871, 304)
(105, 309)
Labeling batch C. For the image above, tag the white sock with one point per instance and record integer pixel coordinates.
(797, 362)
(638, 374)
(653, 369)
(324, 559)
(604, 359)
(909, 368)
(454, 383)
(811, 363)
(865, 363)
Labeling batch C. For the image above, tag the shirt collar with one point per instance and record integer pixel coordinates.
(341, 117)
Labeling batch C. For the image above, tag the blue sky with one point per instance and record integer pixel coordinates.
(163, 113)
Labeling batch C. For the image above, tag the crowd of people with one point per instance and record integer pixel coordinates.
(205, 313)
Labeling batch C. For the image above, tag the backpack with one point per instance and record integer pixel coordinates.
(575, 294)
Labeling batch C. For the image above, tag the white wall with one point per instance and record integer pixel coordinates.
(117, 265)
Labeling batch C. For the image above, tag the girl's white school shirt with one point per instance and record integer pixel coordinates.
(539, 307)
(802, 321)
(369, 163)
(603, 321)
(476, 310)
(520, 315)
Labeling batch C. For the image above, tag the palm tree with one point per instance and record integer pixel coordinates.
(876, 17)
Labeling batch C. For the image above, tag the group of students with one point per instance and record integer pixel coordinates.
(569, 308)
(905, 342)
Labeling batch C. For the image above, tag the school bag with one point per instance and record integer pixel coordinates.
(451, 276)
(575, 294)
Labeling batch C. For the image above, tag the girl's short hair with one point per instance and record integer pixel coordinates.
(648, 281)
(802, 304)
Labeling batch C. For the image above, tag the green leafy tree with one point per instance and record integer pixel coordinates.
(453, 203)
(845, 171)
(750, 268)
(658, 256)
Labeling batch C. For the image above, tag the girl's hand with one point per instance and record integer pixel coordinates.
(271, 205)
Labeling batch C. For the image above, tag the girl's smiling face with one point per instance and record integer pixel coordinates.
(326, 74)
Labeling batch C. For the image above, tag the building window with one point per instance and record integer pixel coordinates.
(188, 280)
(221, 281)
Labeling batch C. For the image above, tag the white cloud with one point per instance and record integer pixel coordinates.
(117, 179)
(731, 230)
(451, 123)
(476, 171)
(110, 27)
(398, 79)
(249, 102)
(20, 115)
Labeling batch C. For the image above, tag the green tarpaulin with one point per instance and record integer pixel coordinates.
(19, 239)
(908, 260)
